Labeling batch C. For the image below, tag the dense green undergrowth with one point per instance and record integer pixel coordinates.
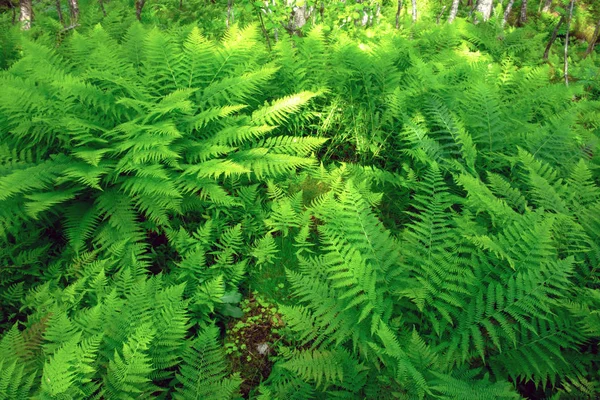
(408, 215)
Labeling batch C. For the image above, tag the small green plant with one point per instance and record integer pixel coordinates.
(253, 340)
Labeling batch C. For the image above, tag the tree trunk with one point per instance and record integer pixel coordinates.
(59, 12)
(139, 6)
(547, 6)
(523, 17)
(567, 42)
(321, 11)
(593, 41)
(485, 8)
(229, 13)
(298, 17)
(364, 19)
(398, 14)
(509, 7)
(553, 37)
(414, 10)
(454, 10)
(437, 21)
(102, 7)
(26, 15)
(378, 14)
(74, 8)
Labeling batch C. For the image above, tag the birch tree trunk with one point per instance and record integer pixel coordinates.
(364, 19)
(523, 17)
(229, 13)
(74, 7)
(26, 15)
(398, 14)
(590, 48)
(509, 7)
(485, 8)
(547, 6)
(414, 10)
(567, 42)
(454, 10)
(298, 17)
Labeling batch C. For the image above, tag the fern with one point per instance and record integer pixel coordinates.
(129, 370)
(203, 373)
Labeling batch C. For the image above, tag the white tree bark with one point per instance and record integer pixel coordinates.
(414, 10)
(485, 8)
(26, 14)
(509, 7)
(523, 17)
(229, 20)
(547, 5)
(567, 42)
(74, 7)
(298, 18)
(454, 10)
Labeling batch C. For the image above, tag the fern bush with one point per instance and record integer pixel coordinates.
(446, 246)
(107, 146)
(136, 134)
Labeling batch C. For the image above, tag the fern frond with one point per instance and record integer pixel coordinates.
(202, 374)
(15, 382)
(278, 112)
(128, 374)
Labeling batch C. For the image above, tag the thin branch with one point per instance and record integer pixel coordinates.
(553, 38)
(264, 29)
(68, 28)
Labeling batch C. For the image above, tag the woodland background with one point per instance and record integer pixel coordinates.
(209, 199)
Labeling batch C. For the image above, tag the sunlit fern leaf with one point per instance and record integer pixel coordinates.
(401, 364)
(133, 42)
(277, 112)
(15, 383)
(450, 129)
(503, 189)
(283, 383)
(171, 323)
(42, 201)
(81, 220)
(60, 331)
(162, 61)
(205, 117)
(302, 146)
(128, 374)
(59, 371)
(236, 89)
(35, 177)
(324, 367)
(480, 198)
(583, 191)
(509, 245)
(449, 387)
(202, 374)
(265, 250)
